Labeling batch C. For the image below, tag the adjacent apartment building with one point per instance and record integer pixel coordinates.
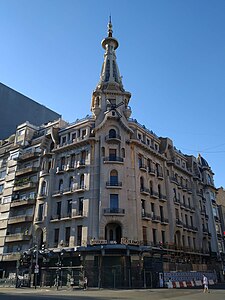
(17, 108)
(105, 196)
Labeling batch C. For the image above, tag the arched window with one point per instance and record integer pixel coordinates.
(112, 133)
(82, 181)
(43, 188)
(113, 177)
(61, 185)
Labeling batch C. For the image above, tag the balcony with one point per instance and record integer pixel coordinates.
(20, 202)
(151, 170)
(115, 138)
(155, 218)
(162, 197)
(15, 237)
(82, 140)
(20, 219)
(113, 159)
(11, 256)
(22, 185)
(154, 194)
(60, 169)
(114, 211)
(44, 173)
(179, 223)
(57, 193)
(27, 156)
(146, 216)
(143, 167)
(159, 174)
(70, 167)
(144, 190)
(28, 170)
(184, 187)
(80, 188)
(176, 200)
(81, 164)
(174, 180)
(41, 196)
(164, 220)
(114, 184)
(79, 214)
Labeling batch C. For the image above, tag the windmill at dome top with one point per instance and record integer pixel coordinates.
(113, 107)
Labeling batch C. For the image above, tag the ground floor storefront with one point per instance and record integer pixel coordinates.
(108, 266)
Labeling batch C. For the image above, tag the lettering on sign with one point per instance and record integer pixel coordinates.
(125, 241)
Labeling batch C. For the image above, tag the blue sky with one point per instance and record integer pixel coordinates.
(171, 56)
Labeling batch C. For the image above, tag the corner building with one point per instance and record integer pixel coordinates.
(111, 199)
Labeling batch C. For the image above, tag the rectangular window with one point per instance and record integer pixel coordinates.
(154, 236)
(1, 188)
(161, 212)
(79, 235)
(69, 207)
(114, 202)
(56, 237)
(80, 206)
(58, 209)
(112, 154)
(144, 235)
(67, 236)
(40, 212)
(163, 235)
(143, 206)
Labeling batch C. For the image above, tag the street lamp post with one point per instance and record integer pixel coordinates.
(36, 268)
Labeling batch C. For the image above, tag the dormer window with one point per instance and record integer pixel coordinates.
(112, 133)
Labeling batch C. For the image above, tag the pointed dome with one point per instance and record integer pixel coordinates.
(110, 71)
(202, 162)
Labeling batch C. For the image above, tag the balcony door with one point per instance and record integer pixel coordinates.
(113, 233)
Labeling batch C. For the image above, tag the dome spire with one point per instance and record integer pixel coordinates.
(110, 71)
(110, 27)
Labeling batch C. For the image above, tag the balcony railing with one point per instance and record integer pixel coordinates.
(146, 215)
(162, 197)
(26, 170)
(154, 194)
(115, 211)
(13, 237)
(19, 202)
(20, 219)
(144, 190)
(151, 170)
(143, 167)
(116, 159)
(159, 174)
(115, 137)
(179, 222)
(81, 163)
(114, 184)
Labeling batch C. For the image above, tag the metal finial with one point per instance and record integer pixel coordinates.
(110, 27)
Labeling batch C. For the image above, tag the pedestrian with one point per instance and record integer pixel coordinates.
(85, 283)
(205, 284)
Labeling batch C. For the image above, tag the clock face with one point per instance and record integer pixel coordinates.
(113, 107)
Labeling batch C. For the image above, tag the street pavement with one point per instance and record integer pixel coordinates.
(217, 293)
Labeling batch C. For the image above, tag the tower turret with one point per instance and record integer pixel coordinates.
(109, 95)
